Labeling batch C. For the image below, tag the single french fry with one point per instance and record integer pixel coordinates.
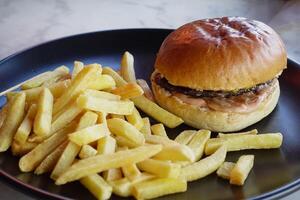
(158, 187)
(49, 162)
(88, 119)
(3, 113)
(97, 186)
(240, 171)
(147, 91)
(146, 129)
(152, 109)
(32, 159)
(123, 128)
(105, 105)
(99, 163)
(89, 134)
(127, 67)
(117, 78)
(106, 145)
(79, 83)
(112, 174)
(205, 166)
(159, 129)
(242, 142)
(26, 126)
(62, 119)
(12, 121)
(21, 149)
(124, 142)
(197, 144)
(135, 119)
(65, 160)
(130, 90)
(225, 170)
(102, 118)
(43, 118)
(185, 136)
(78, 66)
(176, 153)
(103, 82)
(159, 168)
(156, 139)
(41, 78)
(226, 135)
(87, 151)
(101, 94)
(131, 171)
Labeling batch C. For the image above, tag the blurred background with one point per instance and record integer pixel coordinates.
(24, 23)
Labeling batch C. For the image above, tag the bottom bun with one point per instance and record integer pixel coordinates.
(211, 119)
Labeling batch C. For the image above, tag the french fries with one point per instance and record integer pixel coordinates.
(197, 144)
(101, 94)
(3, 113)
(185, 136)
(105, 105)
(159, 129)
(26, 126)
(103, 82)
(49, 162)
(107, 161)
(12, 121)
(41, 78)
(131, 171)
(81, 82)
(106, 144)
(21, 149)
(205, 166)
(135, 119)
(127, 67)
(122, 128)
(78, 66)
(226, 135)
(87, 151)
(130, 90)
(225, 170)
(176, 153)
(32, 159)
(89, 134)
(112, 174)
(156, 139)
(152, 109)
(146, 129)
(159, 168)
(43, 118)
(241, 169)
(158, 187)
(147, 91)
(242, 142)
(97, 186)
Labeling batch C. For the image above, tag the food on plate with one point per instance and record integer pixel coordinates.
(220, 74)
(96, 135)
(242, 142)
(241, 169)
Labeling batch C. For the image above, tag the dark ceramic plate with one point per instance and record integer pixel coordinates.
(275, 174)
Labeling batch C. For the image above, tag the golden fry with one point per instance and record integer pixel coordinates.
(87, 151)
(185, 136)
(146, 129)
(241, 169)
(127, 67)
(147, 91)
(198, 142)
(226, 135)
(12, 121)
(225, 170)
(242, 142)
(159, 129)
(78, 66)
(130, 90)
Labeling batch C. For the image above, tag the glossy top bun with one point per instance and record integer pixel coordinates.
(226, 53)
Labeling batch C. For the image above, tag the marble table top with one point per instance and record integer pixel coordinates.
(24, 23)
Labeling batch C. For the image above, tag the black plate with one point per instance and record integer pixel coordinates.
(276, 172)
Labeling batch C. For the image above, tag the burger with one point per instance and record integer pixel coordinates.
(220, 74)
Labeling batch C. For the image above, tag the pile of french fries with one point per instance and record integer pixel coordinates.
(85, 126)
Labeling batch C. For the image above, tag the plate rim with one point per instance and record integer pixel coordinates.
(279, 192)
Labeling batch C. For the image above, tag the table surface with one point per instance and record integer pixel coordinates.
(29, 22)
